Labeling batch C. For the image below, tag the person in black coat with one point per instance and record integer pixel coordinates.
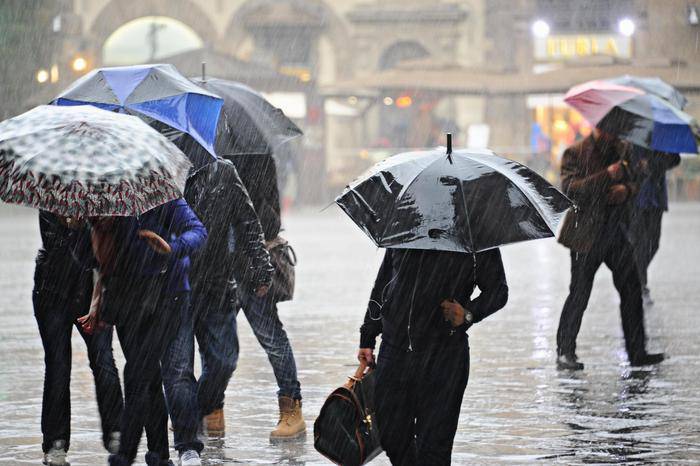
(235, 251)
(421, 305)
(61, 295)
(649, 207)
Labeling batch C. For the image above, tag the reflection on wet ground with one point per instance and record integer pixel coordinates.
(518, 408)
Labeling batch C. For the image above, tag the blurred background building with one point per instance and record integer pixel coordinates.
(368, 78)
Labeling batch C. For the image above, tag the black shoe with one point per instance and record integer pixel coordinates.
(647, 359)
(569, 362)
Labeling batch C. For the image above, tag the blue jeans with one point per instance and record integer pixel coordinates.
(217, 337)
(180, 384)
(56, 318)
(268, 329)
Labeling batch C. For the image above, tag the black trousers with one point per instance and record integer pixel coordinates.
(144, 337)
(56, 317)
(418, 398)
(646, 234)
(615, 251)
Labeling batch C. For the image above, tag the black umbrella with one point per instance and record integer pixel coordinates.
(466, 201)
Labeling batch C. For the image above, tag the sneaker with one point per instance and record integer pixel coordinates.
(190, 458)
(569, 362)
(56, 456)
(114, 442)
(647, 359)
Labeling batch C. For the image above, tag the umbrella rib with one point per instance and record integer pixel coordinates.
(523, 189)
(405, 188)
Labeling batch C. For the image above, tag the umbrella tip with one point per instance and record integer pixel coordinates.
(449, 147)
(204, 74)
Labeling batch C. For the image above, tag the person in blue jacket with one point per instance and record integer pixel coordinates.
(144, 289)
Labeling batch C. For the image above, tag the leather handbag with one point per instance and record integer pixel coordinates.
(345, 430)
(284, 260)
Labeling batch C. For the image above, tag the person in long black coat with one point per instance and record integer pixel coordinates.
(422, 306)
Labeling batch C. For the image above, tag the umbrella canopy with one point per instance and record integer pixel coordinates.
(249, 124)
(81, 161)
(655, 86)
(471, 201)
(157, 93)
(641, 118)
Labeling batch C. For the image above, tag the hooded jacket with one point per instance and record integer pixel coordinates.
(405, 302)
(235, 249)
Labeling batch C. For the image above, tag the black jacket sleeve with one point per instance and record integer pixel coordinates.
(491, 280)
(251, 260)
(372, 325)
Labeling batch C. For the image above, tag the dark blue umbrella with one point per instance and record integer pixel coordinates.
(636, 115)
(653, 123)
(157, 93)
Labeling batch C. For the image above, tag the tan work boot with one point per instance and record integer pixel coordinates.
(291, 425)
(214, 422)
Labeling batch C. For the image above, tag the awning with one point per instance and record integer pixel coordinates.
(471, 81)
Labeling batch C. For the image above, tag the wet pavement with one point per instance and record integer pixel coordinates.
(518, 408)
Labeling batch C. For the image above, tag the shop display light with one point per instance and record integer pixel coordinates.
(626, 27)
(540, 28)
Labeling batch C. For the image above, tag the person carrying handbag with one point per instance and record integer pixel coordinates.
(421, 305)
(259, 175)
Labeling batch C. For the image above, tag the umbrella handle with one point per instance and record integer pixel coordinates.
(449, 148)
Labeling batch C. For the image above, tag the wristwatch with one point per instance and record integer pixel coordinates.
(469, 317)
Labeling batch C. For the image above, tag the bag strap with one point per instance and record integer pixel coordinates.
(363, 369)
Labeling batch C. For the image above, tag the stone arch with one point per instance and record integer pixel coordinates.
(400, 51)
(335, 30)
(119, 12)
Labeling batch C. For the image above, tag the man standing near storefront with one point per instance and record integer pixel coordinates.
(597, 175)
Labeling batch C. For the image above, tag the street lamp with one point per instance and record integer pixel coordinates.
(693, 16)
(626, 27)
(79, 64)
(42, 76)
(540, 28)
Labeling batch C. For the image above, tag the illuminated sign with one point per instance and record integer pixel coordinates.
(568, 46)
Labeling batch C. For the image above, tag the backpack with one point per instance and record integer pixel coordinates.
(345, 430)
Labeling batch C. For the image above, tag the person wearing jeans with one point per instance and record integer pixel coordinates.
(60, 296)
(234, 251)
(259, 175)
(144, 289)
